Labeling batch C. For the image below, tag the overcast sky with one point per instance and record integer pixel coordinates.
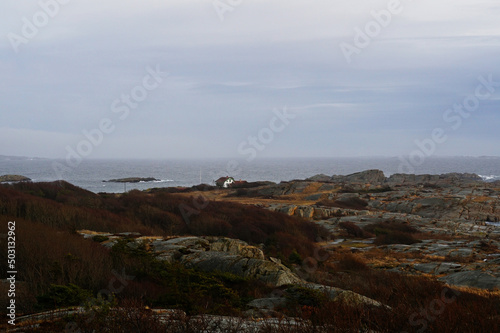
(227, 68)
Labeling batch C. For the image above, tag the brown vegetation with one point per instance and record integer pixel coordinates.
(48, 214)
(348, 203)
(354, 231)
(392, 232)
(57, 266)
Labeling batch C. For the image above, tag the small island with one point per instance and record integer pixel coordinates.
(131, 180)
(13, 178)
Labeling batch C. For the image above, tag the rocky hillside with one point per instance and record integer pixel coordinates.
(460, 206)
(361, 252)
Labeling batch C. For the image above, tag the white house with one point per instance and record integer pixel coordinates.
(224, 182)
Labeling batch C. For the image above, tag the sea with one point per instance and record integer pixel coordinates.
(90, 174)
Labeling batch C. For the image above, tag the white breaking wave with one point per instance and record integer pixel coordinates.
(490, 178)
(156, 181)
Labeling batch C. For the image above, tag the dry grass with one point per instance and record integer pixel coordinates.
(227, 195)
(481, 199)
(312, 188)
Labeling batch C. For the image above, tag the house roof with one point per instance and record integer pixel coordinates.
(223, 179)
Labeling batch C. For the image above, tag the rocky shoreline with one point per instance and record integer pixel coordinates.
(449, 205)
(372, 237)
(452, 205)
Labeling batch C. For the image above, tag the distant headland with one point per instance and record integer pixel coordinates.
(13, 178)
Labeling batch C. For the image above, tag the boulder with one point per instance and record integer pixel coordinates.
(288, 210)
(268, 303)
(347, 296)
(224, 255)
(305, 211)
(263, 270)
(368, 176)
(320, 178)
(235, 246)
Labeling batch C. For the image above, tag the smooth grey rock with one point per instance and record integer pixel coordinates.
(474, 279)
(399, 247)
(448, 267)
(129, 234)
(264, 270)
(347, 296)
(169, 257)
(193, 243)
(426, 267)
(347, 196)
(268, 303)
(462, 253)
(368, 176)
(162, 246)
(314, 197)
(109, 243)
(431, 202)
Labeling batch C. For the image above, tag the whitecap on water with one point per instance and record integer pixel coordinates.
(490, 178)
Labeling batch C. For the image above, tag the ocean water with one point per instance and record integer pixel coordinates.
(89, 174)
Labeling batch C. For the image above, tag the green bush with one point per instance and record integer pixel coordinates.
(297, 295)
(195, 291)
(100, 238)
(295, 258)
(59, 295)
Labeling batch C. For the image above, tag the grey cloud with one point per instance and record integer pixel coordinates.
(225, 78)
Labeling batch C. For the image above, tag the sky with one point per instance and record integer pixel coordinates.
(249, 78)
